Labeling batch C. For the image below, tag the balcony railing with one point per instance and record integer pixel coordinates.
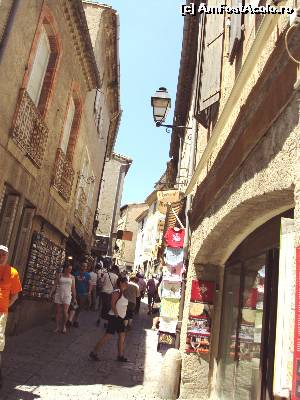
(81, 206)
(89, 219)
(29, 130)
(83, 211)
(63, 175)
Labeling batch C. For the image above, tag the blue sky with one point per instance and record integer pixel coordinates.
(150, 47)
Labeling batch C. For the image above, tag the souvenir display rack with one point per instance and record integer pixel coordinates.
(45, 258)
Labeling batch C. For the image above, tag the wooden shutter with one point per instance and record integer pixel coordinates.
(235, 31)
(68, 126)
(8, 218)
(210, 81)
(23, 237)
(39, 68)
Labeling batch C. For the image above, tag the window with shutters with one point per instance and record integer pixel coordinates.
(235, 36)
(68, 126)
(29, 130)
(23, 239)
(63, 168)
(210, 56)
(98, 111)
(43, 62)
(39, 68)
(8, 216)
(259, 17)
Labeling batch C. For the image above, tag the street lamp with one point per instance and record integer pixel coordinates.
(161, 102)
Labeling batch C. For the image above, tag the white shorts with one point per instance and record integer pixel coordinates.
(62, 298)
(3, 320)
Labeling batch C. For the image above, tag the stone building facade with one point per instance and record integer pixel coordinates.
(237, 90)
(125, 246)
(59, 118)
(109, 203)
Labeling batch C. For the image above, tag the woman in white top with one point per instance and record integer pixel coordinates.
(116, 315)
(64, 290)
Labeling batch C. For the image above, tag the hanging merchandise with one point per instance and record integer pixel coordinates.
(202, 291)
(200, 317)
(167, 324)
(173, 256)
(171, 289)
(166, 341)
(45, 259)
(169, 308)
(173, 272)
(174, 237)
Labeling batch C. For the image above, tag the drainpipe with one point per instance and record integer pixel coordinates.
(8, 27)
(187, 234)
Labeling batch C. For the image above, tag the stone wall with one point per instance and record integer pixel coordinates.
(35, 185)
(264, 185)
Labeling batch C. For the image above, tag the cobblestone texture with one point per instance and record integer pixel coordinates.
(42, 365)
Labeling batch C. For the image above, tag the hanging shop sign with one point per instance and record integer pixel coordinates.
(296, 364)
(165, 197)
(45, 259)
(200, 317)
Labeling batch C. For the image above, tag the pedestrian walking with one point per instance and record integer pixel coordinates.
(64, 290)
(10, 286)
(83, 290)
(142, 287)
(116, 317)
(131, 293)
(93, 297)
(151, 290)
(108, 284)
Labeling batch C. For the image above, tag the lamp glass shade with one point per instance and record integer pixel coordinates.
(160, 102)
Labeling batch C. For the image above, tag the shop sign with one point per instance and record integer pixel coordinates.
(296, 368)
(165, 197)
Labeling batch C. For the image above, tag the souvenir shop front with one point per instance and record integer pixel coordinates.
(249, 315)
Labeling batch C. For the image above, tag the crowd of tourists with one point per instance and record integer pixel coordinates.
(115, 295)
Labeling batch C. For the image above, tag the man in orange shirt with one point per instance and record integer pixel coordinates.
(10, 286)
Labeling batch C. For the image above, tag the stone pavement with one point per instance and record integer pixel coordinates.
(42, 365)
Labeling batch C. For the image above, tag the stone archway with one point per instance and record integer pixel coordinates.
(233, 228)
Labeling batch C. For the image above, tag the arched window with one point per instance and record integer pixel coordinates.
(43, 62)
(29, 130)
(63, 169)
(71, 124)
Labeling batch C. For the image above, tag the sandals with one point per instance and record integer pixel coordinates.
(93, 356)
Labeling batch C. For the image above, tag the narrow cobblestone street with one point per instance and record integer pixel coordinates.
(42, 365)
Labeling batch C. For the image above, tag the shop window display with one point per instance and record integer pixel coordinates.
(241, 344)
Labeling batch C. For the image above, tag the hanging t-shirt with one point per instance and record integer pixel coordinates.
(168, 324)
(171, 289)
(173, 256)
(174, 237)
(172, 270)
(169, 308)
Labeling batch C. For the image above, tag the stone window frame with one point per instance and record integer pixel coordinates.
(48, 23)
(75, 95)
